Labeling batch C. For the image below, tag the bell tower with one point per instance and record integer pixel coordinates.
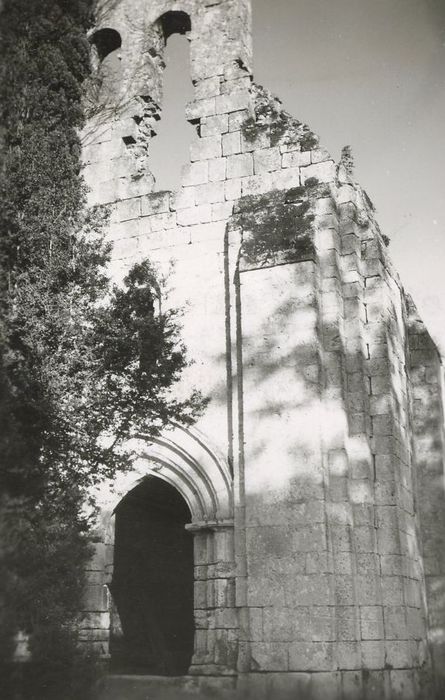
(219, 32)
(128, 53)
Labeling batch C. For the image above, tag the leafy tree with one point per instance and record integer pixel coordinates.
(82, 366)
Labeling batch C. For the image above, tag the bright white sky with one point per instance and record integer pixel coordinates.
(371, 74)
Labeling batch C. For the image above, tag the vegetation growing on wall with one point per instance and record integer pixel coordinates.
(271, 119)
(347, 160)
(363, 216)
(278, 226)
(82, 366)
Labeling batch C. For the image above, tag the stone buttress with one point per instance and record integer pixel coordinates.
(323, 571)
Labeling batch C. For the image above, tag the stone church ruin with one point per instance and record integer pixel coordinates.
(291, 544)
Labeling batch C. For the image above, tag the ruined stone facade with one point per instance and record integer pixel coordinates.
(314, 479)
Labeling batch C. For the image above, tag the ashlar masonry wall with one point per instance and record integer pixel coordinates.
(324, 387)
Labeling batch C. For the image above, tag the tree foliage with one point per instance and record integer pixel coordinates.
(82, 366)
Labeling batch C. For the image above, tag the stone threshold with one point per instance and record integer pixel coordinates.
(140, 687)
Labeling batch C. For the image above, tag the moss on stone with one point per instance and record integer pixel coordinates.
(281, 127)
(276, 227)
(308, 141)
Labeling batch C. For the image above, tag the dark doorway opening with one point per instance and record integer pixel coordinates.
(152, 584)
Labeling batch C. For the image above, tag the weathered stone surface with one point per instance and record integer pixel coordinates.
(239, 165)
(206, 148)
(312, 656)
(196, 173)
(231, 143)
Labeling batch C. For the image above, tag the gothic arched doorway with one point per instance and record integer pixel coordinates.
(152, 584)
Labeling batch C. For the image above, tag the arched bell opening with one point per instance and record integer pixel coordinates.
(152, 629)
(106, 61)
(175, 22)
(106, 41)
